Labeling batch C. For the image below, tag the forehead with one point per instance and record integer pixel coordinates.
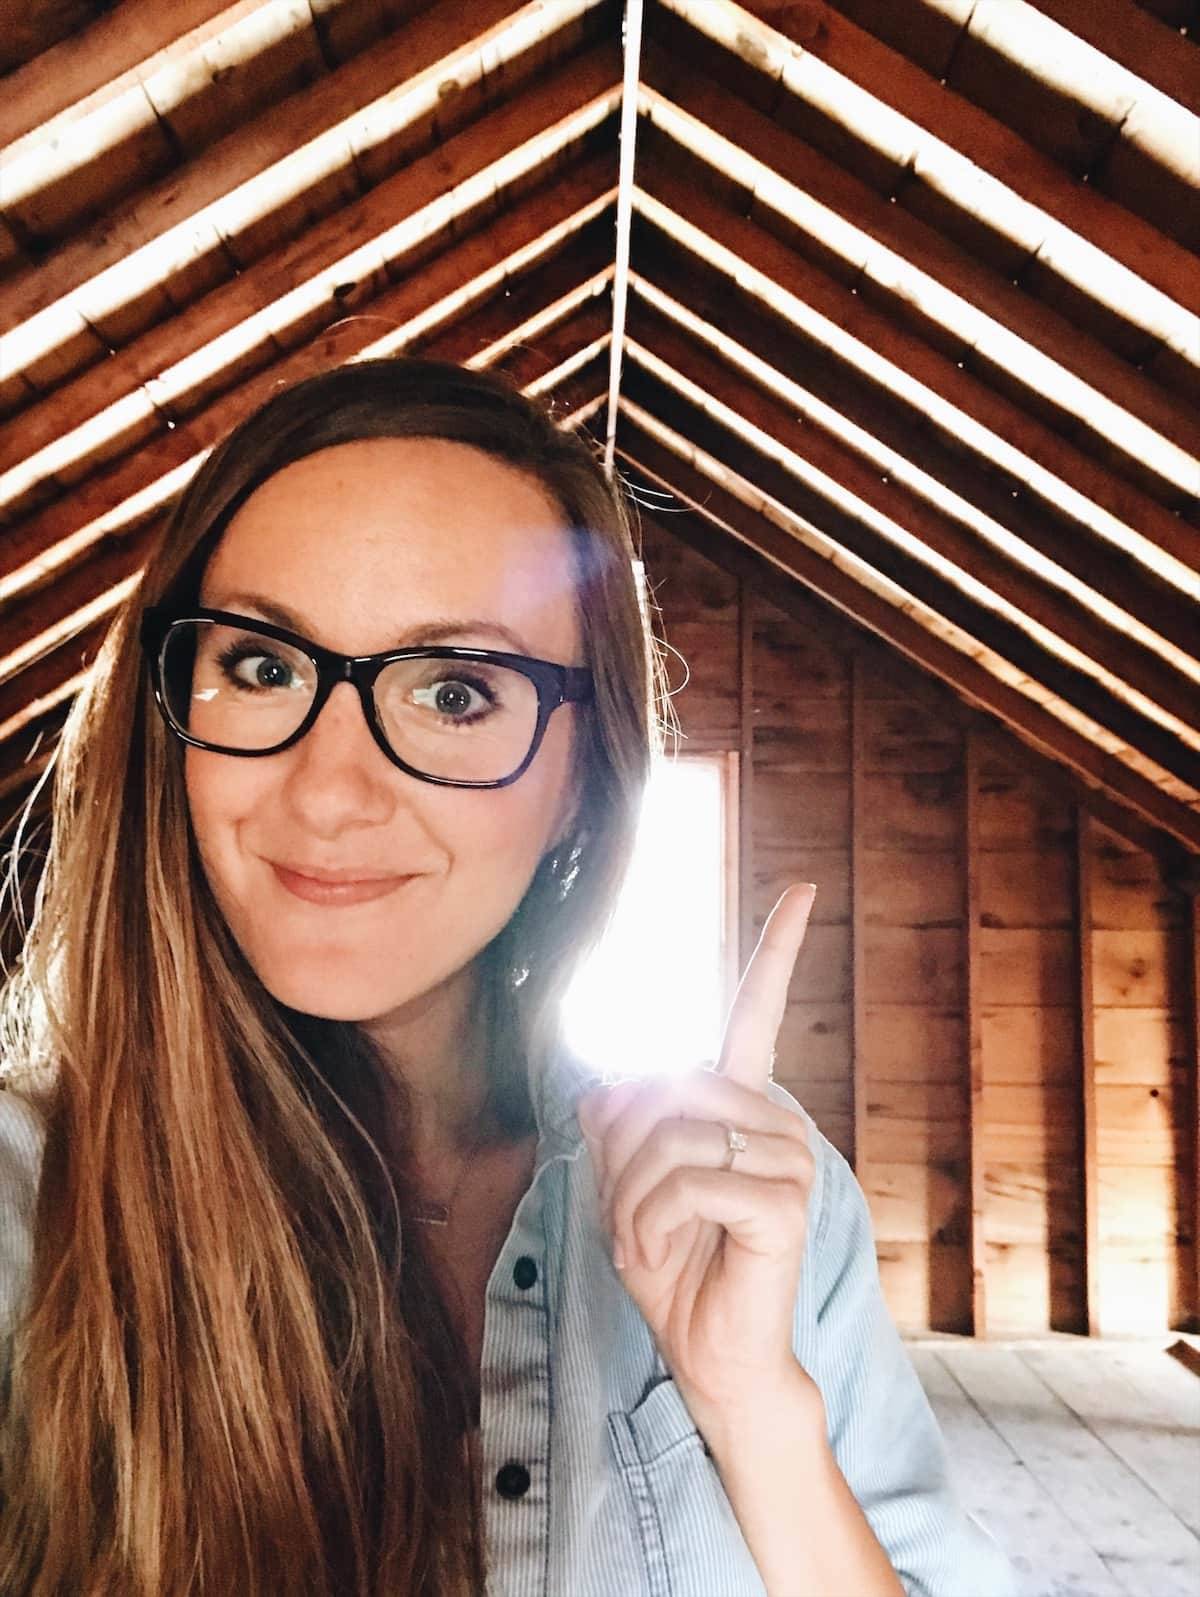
(368, 537)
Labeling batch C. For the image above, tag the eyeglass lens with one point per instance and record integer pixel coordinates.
(464, 720)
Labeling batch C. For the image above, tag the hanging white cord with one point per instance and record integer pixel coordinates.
(629, 113)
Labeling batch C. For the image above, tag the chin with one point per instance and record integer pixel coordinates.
(332, 994)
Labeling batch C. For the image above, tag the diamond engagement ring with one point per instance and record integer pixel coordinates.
(735, 1143)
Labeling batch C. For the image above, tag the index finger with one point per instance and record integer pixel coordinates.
(758, 1006)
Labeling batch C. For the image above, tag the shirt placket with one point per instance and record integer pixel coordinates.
(515, 1407)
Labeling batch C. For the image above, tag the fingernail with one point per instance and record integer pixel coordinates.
(619, 1255)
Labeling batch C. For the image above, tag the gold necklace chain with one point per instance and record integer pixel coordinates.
(427, 1212)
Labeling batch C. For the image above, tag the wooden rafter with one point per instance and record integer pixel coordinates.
(1031, 721)
(91, 69)
(1023, 455)
(1138, 40)
(672, 403)
(685, 101)
(236, 181)
(984, 140)
(329, 270)
(467, 272)
(720, 307)
(541, 287)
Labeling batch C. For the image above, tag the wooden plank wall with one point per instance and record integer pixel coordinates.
(969, 911)
(1144, 1090)
(1031, 1140)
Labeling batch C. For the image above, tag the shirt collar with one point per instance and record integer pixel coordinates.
(555, 1092)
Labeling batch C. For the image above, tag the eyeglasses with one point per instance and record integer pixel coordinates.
(459, 717)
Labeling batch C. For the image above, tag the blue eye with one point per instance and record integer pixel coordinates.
(459, 699)
(237, 653)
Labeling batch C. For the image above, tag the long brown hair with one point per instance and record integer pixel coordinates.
(235, 1372)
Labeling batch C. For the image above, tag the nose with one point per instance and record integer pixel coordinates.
(338, 775)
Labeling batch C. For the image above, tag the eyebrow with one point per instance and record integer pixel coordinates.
(428, 632)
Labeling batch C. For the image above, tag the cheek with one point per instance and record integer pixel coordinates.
(203, 797)
(218, 799)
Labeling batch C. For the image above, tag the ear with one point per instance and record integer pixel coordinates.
(568, 814)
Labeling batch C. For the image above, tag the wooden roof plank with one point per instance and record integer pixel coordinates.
(997, 632)
(1143, 43)
(27, 616)
(435, 43)
(1030, 721)
(543, 294)
(54, 674)
(49, 679)
(531, 360)
(589, 83)
(846, 632)
(889, 225)
(100, 60)
(956, 382)
(711, 295)
(24, 757)
(163, 109)
(985, 140)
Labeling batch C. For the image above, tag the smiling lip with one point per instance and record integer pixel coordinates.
(335, 892)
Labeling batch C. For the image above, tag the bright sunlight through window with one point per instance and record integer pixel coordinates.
(654, 995)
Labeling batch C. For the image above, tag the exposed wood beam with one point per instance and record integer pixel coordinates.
(80, 163)
(573, 398)
(55, 626)
(233, 183)
(535, 301)
(24, 757)
(1192, 932)
(983, 140)
(745, 791)
(858, 916)
(976, 1086)
(51, 679)
(577, 338)
(1125, 527)
(1031, 721)
(472, 269)
(327, 271)
(1078, 104)
(1139, 41)
(55, 614)
(846, 632)
(1159, 440)
(1125, 638)
(99, 63)
(1086, 1061)
(1001, 634)
(544, 285)
(628, 150)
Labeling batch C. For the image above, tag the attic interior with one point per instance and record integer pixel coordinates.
(887, 318)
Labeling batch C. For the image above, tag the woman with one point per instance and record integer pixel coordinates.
(344, 801)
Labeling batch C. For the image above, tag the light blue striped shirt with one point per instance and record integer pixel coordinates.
(596, 1480)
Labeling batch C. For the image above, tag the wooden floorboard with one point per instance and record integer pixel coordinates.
(1081, 1456)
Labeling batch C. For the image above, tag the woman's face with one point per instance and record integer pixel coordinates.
(364, 544)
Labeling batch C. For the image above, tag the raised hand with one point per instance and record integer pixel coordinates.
(711, 1253)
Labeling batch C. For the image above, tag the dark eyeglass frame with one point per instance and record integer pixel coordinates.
(555, 684)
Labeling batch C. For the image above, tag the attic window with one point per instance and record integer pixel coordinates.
(653, 996)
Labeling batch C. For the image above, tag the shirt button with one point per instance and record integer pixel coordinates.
(524, 1272)
(512, 1480)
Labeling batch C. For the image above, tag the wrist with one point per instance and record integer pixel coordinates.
(764, 1418)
